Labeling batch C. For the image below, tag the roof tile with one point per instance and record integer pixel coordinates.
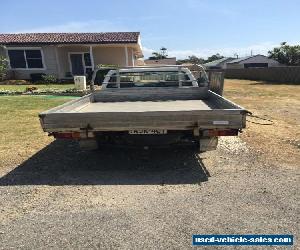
(69, 38)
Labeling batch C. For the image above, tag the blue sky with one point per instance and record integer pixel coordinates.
(188, 27)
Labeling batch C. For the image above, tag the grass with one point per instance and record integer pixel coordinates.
(235, 88)
(39, 86)
(20, 131)
(281, 104)
(21, 135)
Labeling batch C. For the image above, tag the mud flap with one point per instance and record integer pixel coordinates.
(208, 144)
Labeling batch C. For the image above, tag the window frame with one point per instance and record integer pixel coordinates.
(85, 67)
(26, 48)
(187, 82)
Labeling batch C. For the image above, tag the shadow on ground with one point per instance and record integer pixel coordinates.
(63, 163)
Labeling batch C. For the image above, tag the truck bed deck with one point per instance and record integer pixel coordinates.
(148, 106)
(183, 109)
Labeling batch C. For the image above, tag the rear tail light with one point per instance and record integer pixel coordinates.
(66, 135)
(217, 132)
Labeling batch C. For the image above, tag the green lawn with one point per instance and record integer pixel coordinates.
(38, 86)
(21, 134)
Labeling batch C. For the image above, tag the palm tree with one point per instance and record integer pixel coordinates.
(163, 52)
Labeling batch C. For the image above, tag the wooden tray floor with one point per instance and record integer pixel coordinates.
(148, 106)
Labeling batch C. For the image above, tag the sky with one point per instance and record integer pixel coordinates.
(186, 27)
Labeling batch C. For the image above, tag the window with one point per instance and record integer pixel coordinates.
(255, 65)
(25, 58)
(88, 65)
(150, 79)
(17, 59)
(87, 59)
(34, 59)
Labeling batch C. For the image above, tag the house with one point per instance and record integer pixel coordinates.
(218, 64)
(67, 54)
(165, 61)
(257, 61)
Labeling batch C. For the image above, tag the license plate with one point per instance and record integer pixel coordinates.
(147, 132)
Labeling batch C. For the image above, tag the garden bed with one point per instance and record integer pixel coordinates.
(42, 89)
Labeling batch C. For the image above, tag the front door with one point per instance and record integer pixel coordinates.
(77, 66)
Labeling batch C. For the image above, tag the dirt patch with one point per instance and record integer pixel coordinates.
(15, 82)
(280, 103)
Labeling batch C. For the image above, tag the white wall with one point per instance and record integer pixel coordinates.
(110, 55)
(102, 55)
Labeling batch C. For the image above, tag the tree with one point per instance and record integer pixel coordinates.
(163, 51)
(191, 59)
(214, 57)
(181, 61)
(196, 60)
(3, 67)
(286, 54)
(159, 55)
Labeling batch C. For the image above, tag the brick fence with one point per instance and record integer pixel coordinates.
(283, 74)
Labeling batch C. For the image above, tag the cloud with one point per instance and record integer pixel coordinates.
(147, 52)
(85, 26)
(261, 48)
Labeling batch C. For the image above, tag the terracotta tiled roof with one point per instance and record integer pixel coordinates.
(69, 38)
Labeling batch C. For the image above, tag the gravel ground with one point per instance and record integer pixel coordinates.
(155, 199)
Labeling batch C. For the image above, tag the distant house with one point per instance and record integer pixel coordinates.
(67, 54)
(257, 61)
(218, 64)
(166, 61)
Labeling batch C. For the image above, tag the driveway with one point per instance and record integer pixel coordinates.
(122, 198)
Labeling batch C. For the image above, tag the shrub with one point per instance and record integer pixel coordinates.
(3, 67)
(114, 66)
(36, 77)
(49, 79)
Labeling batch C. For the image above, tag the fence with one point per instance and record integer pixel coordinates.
(286, 74)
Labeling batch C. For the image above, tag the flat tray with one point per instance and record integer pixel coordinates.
(149, 106)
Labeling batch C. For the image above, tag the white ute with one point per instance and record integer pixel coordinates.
(148, 106)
